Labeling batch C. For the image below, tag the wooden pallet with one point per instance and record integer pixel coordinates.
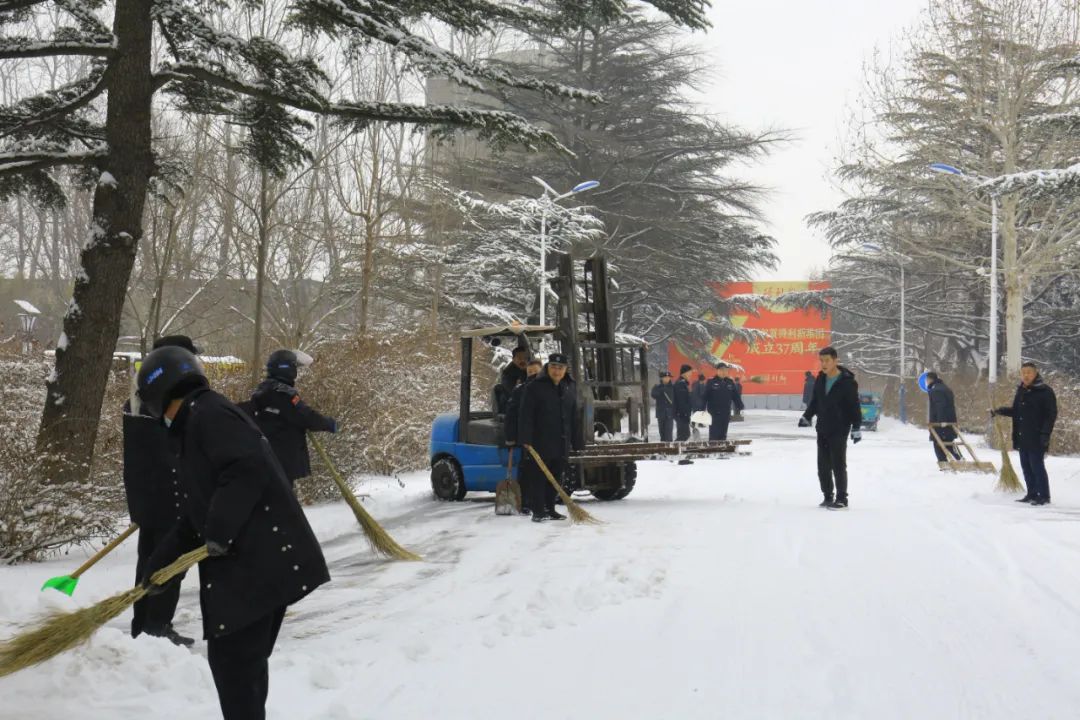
(951, 464)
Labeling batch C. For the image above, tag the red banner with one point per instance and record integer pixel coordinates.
(771, 366)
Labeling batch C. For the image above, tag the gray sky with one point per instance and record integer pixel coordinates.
(797, 65)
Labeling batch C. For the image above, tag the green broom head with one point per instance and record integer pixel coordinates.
(1008, 481)
(64, 583)
(59, 632)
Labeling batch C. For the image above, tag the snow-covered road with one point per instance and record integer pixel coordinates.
(718, 590)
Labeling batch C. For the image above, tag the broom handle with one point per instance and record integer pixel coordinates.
(105, 550)
(551, 478)
(338, 480)
(510, 464)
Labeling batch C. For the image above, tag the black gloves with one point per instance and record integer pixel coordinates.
(216, 549)
(856, 437)
(804, 422)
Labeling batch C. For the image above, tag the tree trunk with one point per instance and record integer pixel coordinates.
(1014, 288)
(260, 273)
(69, 422)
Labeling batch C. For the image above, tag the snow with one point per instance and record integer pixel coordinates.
(62, 343)
(27, 307)
(107, 179)
(714, 590)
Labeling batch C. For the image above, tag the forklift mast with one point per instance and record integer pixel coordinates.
(612, 377)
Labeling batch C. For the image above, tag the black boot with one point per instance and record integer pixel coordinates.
(826, 502)
(554, 514)
(838, 504)
(539, 517)
(1026, 498)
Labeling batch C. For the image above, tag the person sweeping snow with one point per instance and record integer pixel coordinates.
(263, 555)
(1034, 413)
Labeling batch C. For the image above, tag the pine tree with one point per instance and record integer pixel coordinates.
(145, 57)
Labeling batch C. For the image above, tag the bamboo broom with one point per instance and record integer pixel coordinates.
(59, 632)
(1008, 481)
(577, 513)
(380, 540)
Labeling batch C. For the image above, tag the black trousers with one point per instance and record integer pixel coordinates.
(832, 462)
(947, 434)
(719, 427)
(154, 613)
(667, 425)
(537, 492)
(239, 663)
(683, 428)
(1033, 465)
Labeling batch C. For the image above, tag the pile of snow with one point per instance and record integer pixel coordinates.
(714, 590)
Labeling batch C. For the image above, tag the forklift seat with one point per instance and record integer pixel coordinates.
(486, 431)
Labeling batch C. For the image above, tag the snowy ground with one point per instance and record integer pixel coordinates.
(717, 590)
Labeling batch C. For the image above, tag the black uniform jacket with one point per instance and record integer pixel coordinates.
(238, 496)
(548, 420)
(285, 420)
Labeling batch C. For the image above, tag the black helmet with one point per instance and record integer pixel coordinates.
(166, 374)
(282, 365)
(177, 341)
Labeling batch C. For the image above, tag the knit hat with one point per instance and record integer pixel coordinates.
(685, 369)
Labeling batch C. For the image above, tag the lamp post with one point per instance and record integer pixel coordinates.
(992, 360)
(900, 260)
(550, 196)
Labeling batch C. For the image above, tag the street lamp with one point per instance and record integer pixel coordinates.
(992, 361)
(900, 260)
(550, 196)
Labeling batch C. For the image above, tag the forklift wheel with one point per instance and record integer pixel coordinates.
(618, 493)
(446, 480)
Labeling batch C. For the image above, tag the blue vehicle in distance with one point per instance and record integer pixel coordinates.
(870, 405)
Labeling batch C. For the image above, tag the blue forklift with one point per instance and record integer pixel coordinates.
(468, 450)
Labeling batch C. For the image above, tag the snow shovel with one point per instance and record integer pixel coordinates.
(66, 583)
(508, 491)
(578, 514)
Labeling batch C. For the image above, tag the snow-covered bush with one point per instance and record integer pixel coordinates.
(38, 518)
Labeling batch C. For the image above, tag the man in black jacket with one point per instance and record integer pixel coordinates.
(942, 410)
(684, 405)
(720, 397)
(513, 405)
(515, 371)
(548, 422)
(155, 502)
(835, 402)
(283, 417)
(1033, 412)
(263, 554)
(663, 394)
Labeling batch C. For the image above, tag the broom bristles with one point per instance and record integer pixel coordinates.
(59, 632)
(381, 542)
(1008, 481)
(578, 514)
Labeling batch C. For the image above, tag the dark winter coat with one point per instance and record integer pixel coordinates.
(548, 419)
(942, 403)
(808, 390)
(285, 420)
(512, 376)
(154, 498)
(837, 411)
(683, 403)
(513, 411)
(697, 395)
(1034, 412)
(664, 398)
(238, 496)
(720, 395)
